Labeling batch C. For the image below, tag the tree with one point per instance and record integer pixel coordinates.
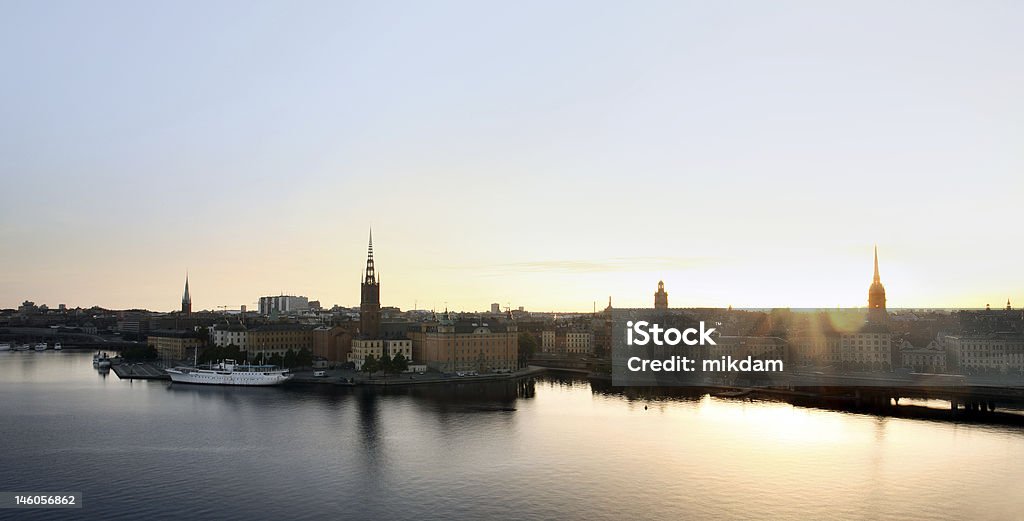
(385, 363)
(304, 358)
(370, 364)
(527, 346)
(399, 364)
(216, 353)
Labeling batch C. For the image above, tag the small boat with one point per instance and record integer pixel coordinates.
(100, 360)
(23, 347)
(5, 347)
(41, 346)
(57, 346)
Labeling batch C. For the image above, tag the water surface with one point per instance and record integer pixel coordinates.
(141, 449)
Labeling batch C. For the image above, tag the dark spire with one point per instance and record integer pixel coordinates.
(370, 276)
(186, 298)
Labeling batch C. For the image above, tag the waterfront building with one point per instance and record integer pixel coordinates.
(277, 339)
(869, 348)
(985, 353)
(174, 344)
(467, 344)
(816, 348)
(363, 347)
(930, 359)
(333, 343)
(660, 296)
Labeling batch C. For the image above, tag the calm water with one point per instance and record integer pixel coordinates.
(141, 449)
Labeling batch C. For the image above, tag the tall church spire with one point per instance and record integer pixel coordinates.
(876, 295)
(186, 299)
(877, 279)
(370, 276)
(369, 302)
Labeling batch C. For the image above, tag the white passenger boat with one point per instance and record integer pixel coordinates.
(230, 373)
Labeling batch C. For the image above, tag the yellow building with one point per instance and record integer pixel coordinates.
(278, 339)
(174, 344)
(450, 345)
(361, 348)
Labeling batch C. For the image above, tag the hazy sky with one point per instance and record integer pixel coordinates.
(543, 154)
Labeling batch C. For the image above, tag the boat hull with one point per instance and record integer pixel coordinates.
(237, 378)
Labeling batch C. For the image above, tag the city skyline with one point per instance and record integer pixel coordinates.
(368, 276)
(745, 157)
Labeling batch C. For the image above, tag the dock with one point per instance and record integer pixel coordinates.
(139, 371)
(149, 371)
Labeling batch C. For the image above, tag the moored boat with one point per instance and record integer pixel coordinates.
(57, 346)
(230, 373)
(41, 346)
(5, 347)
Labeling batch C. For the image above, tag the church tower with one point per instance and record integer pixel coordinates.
(661, 296)
(876, 295)
(369, 303)
(186, 299)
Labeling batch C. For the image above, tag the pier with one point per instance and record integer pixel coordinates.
(139, 371)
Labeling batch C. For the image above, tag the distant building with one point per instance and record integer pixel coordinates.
(223, 335)
(548, 340)
(757, 347)
(995, 353)
(661, 296)
(283, 304)
(579, 342)
(495, 307)
(869, 348)
(133, 322)
(930, 359)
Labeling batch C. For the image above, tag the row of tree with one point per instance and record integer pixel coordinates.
(385, 364)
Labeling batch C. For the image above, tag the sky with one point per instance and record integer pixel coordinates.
(538, 154)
